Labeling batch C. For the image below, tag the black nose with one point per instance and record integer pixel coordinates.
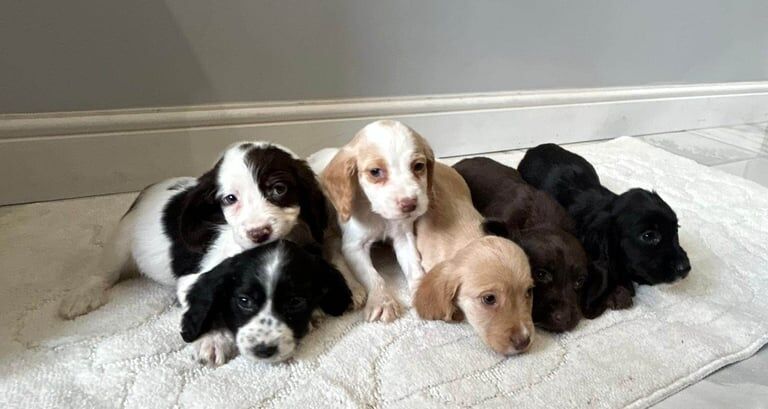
(264, 350)
(683, 267)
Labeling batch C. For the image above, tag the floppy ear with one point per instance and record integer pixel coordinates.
(335, 296)
(430, 170)
(311, 201)
(434, 299)
(338, 179)
(600, 280)
(200, 210)
(202, 300)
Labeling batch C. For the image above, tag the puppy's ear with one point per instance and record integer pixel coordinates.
(434, 299)
(600, 280)
(202, 299)
(335, 296)
(311, 201)
(339, 182)
(430, 156)
(200, 210)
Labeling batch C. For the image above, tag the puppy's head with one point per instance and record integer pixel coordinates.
(259, 189)
(559, 269)
(488, 282)
(646, 230)
(266, 297)
(389, 164)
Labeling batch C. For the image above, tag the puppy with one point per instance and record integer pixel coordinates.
(265, 298)
(176, 229)
(628, 237)
(486, 279)
(542, 228)
(379, 183)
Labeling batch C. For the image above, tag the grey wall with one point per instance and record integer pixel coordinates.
(102, 54)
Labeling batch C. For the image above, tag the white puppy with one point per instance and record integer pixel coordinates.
(379, 183)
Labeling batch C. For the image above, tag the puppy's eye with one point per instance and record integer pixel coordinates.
(419, 166)
(376, 172)
(541, 275)
(245, 303)
(488, 299)
(295, 303)
(229, 200)
(529, 292)
(579, 283)
(651, 237)
(279, 189)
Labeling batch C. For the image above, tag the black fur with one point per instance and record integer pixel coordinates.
(613, 228)
(304, 282)
(191, 219)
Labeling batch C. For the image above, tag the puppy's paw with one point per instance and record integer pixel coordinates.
(317, 318)
(359, 295)
(382, 306)
(620, 299)
(82, 301)
(215, 348)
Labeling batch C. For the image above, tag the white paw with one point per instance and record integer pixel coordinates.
(317, 318)
(382, 306)
(82, 300)
(215, 348)
(358, 296)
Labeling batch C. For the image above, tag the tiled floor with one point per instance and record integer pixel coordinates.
(742, 151)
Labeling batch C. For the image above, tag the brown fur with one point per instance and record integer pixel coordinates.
(463, 265)
(340, 177)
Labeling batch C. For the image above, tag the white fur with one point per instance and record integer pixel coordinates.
(376, 215)
(140, 240)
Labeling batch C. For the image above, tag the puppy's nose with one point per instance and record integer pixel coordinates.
(260, 234)
(520, 341)
(682, 267)
(264, 350)
(407, 204)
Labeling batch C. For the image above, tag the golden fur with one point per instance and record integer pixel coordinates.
(464, 267)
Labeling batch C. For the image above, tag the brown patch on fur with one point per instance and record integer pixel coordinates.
(339, 179)
(429, 156)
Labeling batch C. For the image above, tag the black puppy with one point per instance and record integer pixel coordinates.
(542, 228)
(628, 237)
(265, 296)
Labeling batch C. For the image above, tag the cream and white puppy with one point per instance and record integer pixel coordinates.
(379, 183)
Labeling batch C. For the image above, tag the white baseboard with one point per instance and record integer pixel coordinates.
(72, 154)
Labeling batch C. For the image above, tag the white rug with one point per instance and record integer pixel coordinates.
(129, 353)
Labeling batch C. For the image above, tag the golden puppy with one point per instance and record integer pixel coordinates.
(486, 279)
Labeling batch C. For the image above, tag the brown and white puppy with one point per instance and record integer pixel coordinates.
(485, 279)
(379, 184)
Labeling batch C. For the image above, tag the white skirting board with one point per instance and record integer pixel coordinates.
(72, 154)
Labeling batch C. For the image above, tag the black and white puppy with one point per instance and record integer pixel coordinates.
(628, 237)
(256, 192)
(265, 297)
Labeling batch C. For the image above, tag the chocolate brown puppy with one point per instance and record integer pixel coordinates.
(542, 228)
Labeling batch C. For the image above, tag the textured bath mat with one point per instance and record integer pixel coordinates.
(129, 354)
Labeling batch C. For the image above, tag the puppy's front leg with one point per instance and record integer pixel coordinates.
(381, 304)
(408, 257)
